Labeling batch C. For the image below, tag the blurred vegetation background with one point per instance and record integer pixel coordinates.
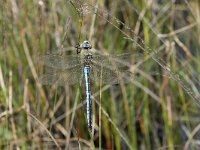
(157, 110)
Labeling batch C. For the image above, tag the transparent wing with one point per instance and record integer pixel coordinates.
(116, 60)
(68, 61)
(68, 69)
(59, 61)
(62, 77)
(111, 69)
(106, 75)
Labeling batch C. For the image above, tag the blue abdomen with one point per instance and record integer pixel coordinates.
(86, 71)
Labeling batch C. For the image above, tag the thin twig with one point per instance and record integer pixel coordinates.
(42, 125)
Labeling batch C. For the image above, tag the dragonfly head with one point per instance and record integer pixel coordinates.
(86, 45)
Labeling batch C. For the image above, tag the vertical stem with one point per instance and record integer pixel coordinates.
(72, 118)
(13, 126)
(100, 146)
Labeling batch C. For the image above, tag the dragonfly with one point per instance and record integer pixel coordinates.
(71, 69)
